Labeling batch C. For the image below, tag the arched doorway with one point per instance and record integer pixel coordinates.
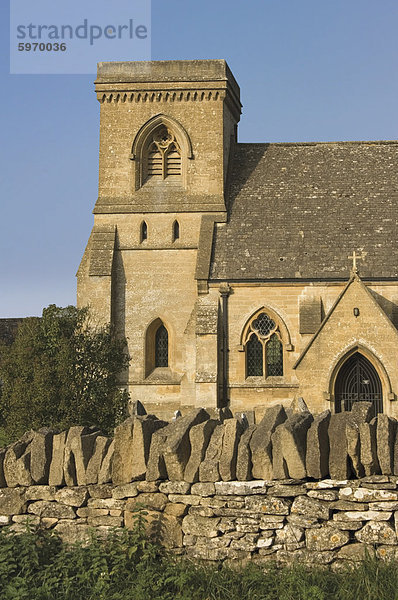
(358, 381)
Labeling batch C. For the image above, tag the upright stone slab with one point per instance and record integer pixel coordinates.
(260, 443)
(69, 459)
(385, 435)
(144, 428)
(105, 473)
(199, 437)
(361, 412)
(177, 450)
(156, 468)
(101, 446)
(41, 454)
(339, 466)
(233, 429)
(367, 434)
(244, 455)
(209, 469)
(317, 453)
(17, 462)
(56, 474)
(289, 444)
(83, 449)
(123, 454)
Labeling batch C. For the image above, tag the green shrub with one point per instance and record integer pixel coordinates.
(126, 566)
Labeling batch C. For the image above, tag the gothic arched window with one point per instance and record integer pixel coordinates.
(162, 156)
(156, 347)
(176, 231)
(263, 347)
(144, 231)
(161, 347)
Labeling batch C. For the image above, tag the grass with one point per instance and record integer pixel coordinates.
(126, 566)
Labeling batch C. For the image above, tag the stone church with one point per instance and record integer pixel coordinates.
(242, 275)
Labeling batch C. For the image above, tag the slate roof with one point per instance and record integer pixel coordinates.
(296, 211)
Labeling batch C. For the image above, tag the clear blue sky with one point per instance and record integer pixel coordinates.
(309, 70)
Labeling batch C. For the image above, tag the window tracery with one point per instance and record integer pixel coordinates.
(162, 159)
(263, 347)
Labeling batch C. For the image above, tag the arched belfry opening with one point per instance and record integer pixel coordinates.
(357, 381)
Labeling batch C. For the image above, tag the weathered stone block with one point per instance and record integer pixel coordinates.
(201, 526)
(17, 462)
(41, 454)
(103, 490)
(260, 443)
(355, 552)
(156, 501)
(233, 429)
(240, 488)
(385, 434)
(175, 487)
(367, 495)
(176, 510)
(367, 434)
(56, 473)
(361, 413)
(69, 458)
(203, 489)
(303, 505)
(268, 505)
(178, 448)
(83, 449)
(101, 445)
(289, 446)
(317, 453)
(52, 510)
(12, 501)
(376, 532)
(72, 496)
(209, 468)
(244, 455)
(127, 490)
(105, 473)
(325, 538)
(339, 467)
(199, 437)
(123, 452)
(40, 492)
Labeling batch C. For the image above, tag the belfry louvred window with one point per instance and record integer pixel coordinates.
(162, 159)
(264, 350)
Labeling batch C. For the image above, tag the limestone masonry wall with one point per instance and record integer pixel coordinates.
(294, 487)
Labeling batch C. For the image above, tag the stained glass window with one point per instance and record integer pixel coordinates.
(161, 347)
(264, 349)
(263, 324)
(274, 356)
(254, 357)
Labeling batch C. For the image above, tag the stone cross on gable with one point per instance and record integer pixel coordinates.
(354, 259)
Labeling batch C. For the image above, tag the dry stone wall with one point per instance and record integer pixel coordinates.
(295, 486)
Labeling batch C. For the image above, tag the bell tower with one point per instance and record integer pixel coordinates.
(167, 131)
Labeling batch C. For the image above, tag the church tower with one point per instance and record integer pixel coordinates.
(167, 132)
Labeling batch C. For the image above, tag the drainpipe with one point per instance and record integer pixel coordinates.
(225, 291)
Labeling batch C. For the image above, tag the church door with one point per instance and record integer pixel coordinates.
(357, 381)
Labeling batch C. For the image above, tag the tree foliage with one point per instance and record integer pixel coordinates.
(62, 371)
